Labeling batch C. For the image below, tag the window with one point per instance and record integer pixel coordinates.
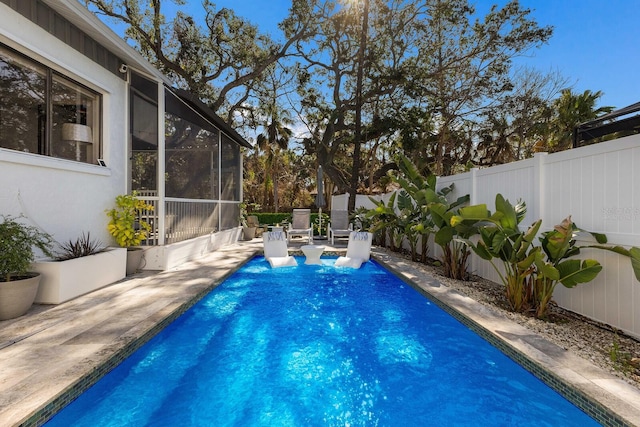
(22, 104)
(74, 120)
(43, 112)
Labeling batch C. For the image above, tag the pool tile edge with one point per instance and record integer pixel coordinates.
(592, 389)
(595, 391)
(130, 344)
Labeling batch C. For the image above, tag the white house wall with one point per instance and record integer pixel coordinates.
(64, 197)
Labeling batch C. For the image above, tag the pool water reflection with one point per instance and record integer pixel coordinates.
(318, 345)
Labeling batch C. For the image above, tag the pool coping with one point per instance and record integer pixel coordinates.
(53, 354)
(605, 397)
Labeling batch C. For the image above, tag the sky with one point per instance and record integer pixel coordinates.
(595, 44)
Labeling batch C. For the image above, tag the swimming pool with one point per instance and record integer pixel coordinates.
(316, 345)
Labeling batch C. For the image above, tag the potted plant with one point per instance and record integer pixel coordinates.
(248, 229)
(81, 247)
(18, 287)
(128, 228)
(78, 267)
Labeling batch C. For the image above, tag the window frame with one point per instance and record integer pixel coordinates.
(59, 77)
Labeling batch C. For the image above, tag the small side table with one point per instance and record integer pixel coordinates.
(312, 253)
(276, 228)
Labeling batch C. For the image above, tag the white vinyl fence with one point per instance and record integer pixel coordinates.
(599, 186)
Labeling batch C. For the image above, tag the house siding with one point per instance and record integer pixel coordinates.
(55, 24)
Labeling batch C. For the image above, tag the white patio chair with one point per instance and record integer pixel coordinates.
(358, 250)
(339, 226)
(276, 251)
(301, 225)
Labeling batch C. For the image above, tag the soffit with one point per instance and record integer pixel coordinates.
(80, 16)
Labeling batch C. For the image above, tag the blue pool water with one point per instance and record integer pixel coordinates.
(318, 346)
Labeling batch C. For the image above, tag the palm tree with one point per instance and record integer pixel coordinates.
(273, 141)
(571, 110)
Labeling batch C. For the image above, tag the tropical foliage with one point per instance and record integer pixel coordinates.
(383, 221)
(528, 271)
(572, 109)
(125, 220)
(431, 213)
(421, 211)
(438, 85)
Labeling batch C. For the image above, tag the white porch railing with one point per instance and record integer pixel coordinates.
(186, 219)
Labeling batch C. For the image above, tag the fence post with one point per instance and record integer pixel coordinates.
(473, 197)
(538, 204)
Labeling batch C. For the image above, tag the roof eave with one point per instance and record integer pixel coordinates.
(87, 21)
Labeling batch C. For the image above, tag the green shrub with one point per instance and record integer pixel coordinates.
(125, 224)
(531, 272)
(272, 218)
(17, 242)
(316, 224)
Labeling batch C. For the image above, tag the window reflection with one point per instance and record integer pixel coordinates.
(144, 133)
(22, 104)
(32, 118)
(76, 106)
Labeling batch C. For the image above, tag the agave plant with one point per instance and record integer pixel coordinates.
(81, 247)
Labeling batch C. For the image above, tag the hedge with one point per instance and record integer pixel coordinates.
(273, 218)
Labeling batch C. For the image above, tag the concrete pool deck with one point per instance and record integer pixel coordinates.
(53, 353)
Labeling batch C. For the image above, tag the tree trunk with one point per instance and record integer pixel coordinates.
(355, 173)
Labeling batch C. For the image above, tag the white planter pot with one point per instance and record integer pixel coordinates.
(134, 259)
(65, 280)
(249, 233)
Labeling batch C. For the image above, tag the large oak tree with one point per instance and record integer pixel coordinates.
(220, 59)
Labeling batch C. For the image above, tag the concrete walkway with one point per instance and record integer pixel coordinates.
(48, 356)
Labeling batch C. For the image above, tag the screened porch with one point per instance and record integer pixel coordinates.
(192, 176)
